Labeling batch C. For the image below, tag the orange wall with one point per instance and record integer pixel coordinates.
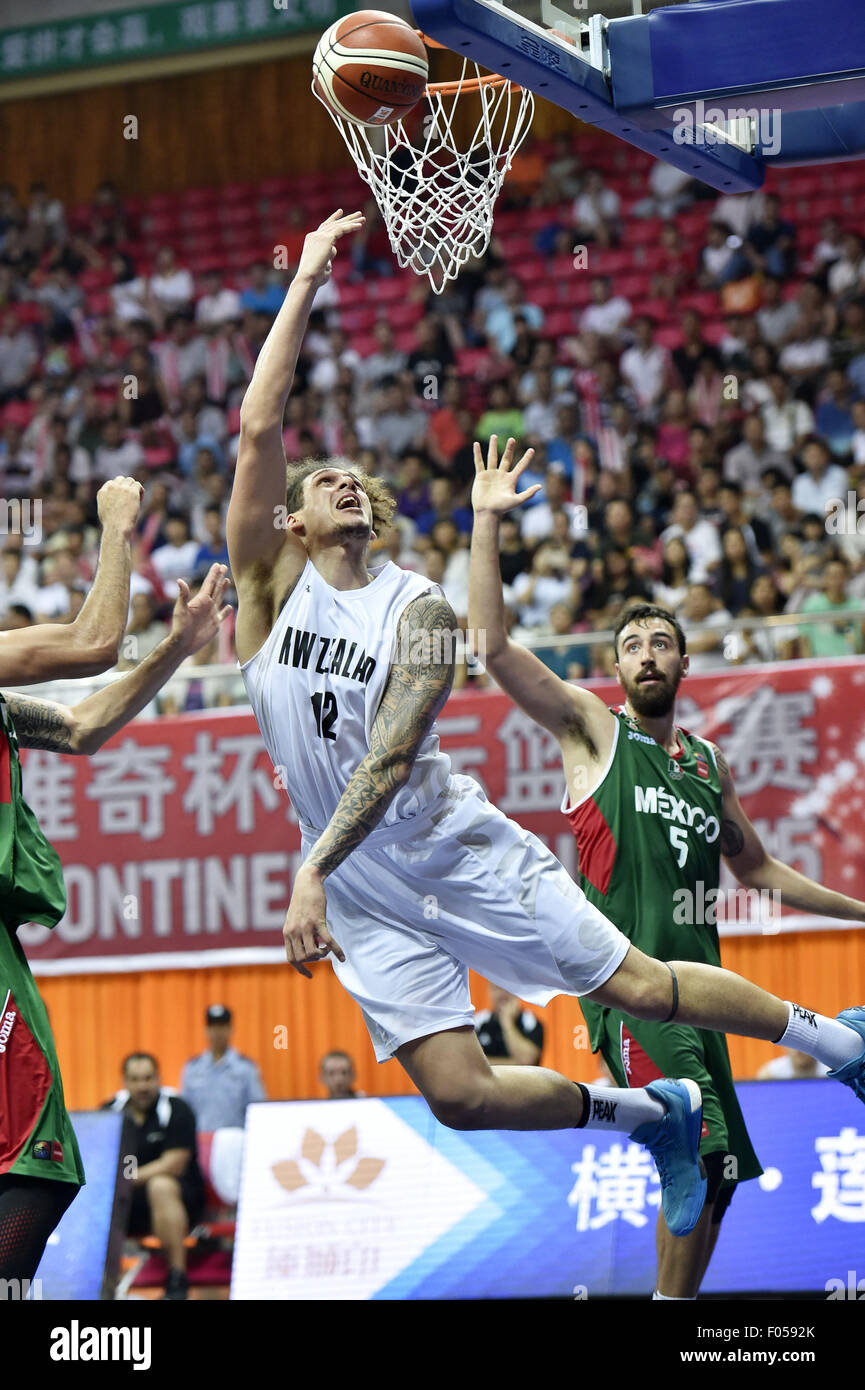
(97, 1019)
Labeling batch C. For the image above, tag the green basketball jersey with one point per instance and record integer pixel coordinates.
(648, 841)
(36, 1135)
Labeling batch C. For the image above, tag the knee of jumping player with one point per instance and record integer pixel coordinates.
(648, 991)
(459, 1105)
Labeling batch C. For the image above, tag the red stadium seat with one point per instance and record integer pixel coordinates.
(705, 302)
(643, 230)
(238, 193)
(238, 215)
(96, 278)
(199, 198)
(404, 315)
(281, 187)
(473, 362)
(359, 320)
(100, 304)
(405, 340)
(669, 335)
(351, 294)
(559, 324)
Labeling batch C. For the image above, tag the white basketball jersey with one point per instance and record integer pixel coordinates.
(316, 685)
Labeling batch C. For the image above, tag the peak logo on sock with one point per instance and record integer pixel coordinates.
(604, 1110)
(805, 1016)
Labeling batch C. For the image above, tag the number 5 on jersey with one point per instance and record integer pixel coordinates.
(679, 841)
(325, 709)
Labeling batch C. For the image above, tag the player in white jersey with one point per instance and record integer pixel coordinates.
(346, 670)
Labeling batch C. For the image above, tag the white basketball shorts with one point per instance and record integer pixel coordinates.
(460, 887)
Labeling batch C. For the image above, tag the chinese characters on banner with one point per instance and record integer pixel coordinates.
(177, 839)
(155, 31)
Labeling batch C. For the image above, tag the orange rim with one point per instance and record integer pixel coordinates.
(468, 84)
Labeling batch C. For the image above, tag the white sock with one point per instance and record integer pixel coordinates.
(831, 1042)
(613, 1108)
(670, 1298)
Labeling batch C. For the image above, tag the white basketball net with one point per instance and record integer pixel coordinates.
(437, 200)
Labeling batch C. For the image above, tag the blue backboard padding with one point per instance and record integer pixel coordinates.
(809, 137)
(756, 46)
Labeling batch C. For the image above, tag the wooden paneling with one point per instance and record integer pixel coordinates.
(229, 125)
(286, 1023)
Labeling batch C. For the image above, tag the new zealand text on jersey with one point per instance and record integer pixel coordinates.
(657, 801)
(335, 655)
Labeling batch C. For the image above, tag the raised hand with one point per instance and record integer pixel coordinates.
(495, 485)
(196, 621)
(117, 503)
(319, 247)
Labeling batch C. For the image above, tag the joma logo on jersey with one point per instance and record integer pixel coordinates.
(657, 801)
(335, 656)
(6, 1027)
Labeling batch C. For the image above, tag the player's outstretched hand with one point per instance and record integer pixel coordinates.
(319, 247)
(117, 503)
(305, 932)
(195, 621)
(495, 485)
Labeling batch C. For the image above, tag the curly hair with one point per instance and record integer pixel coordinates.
(380, 497)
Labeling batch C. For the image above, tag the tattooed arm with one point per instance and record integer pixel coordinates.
(86, 726)
(754, 867)
(44, 724)
(417, 688)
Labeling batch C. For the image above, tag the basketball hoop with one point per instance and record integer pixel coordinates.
(436, 199)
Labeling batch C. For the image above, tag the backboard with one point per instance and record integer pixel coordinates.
(720, 88)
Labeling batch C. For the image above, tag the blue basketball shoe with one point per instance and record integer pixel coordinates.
(852, 1074)
(674, 1143)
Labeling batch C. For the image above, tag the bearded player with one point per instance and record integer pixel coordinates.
(653, 809)
(40, 1165)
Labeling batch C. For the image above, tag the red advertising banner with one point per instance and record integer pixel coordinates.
(179, 847)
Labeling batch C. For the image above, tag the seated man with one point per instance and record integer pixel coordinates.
(509, 1034)
(167, 1183)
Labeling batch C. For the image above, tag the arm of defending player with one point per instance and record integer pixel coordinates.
(252, 531)
(754, 867)
(90, 644)
(417, 688)
(550, 701)
(83, 728)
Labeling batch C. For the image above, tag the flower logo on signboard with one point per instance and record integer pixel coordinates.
(328, 1169)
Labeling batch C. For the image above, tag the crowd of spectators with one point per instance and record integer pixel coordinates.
(719, 474)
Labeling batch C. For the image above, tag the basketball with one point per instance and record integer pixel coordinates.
(370, 67)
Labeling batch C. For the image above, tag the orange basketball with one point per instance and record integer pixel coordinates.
(370, 68)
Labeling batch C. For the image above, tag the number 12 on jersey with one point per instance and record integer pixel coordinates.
(325, 709)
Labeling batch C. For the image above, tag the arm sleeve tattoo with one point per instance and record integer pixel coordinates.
(41, 724)
(418, 686)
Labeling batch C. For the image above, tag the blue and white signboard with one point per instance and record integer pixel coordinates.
(371, 1198)
(73, 1265)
